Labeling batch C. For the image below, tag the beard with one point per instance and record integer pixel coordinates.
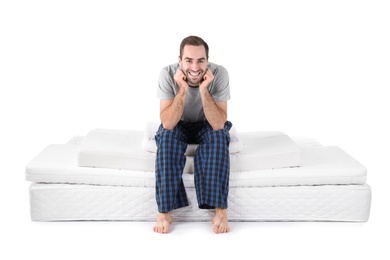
(194, 80)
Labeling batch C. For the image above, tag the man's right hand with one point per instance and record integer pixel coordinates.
(180, 79)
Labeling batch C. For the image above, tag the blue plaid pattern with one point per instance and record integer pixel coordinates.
(211, 165)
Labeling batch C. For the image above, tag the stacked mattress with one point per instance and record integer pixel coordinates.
(109, 175)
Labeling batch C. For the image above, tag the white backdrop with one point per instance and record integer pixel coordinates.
(317, 69)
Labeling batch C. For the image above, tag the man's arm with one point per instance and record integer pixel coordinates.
(215, 112)
(171, 110)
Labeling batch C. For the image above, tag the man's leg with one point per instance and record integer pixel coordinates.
(170, 161)
(212, 169)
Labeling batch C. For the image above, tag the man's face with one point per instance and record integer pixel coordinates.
(194, 63)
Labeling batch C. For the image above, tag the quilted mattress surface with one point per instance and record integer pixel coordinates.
(321, 165)
(64, 202)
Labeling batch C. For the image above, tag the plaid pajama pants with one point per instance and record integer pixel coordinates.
(211, 165)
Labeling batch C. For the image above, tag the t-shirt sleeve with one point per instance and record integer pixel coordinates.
(166, 85)
(221, 89)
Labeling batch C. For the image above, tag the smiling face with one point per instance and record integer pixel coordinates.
(194, 63)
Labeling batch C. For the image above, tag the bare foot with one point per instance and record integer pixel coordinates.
(220, 221)
(162, 223)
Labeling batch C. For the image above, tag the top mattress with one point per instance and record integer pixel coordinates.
(125, 149)
(320, 165)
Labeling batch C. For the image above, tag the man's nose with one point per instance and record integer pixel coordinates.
(194, 66)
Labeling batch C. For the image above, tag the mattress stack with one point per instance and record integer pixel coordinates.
(109, 175)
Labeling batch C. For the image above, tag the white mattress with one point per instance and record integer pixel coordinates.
(124, 149)
(329, 186)
(65, 202)
(321, 165)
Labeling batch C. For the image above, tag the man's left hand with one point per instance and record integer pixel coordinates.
(207, 78)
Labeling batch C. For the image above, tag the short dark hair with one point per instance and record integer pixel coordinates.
(194, 41)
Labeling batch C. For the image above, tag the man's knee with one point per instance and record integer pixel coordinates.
(220, 135)
(169, 135)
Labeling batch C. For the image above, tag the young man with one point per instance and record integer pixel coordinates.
(193, 109)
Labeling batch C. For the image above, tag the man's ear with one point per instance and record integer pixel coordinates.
(179, 59)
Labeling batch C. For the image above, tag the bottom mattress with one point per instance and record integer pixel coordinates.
(67, 202)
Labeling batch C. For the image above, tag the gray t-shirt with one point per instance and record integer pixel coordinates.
(193, 110)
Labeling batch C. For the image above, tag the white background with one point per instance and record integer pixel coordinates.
(317, 69)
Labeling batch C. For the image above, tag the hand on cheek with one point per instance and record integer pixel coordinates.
(207, 78)
(181, 78)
